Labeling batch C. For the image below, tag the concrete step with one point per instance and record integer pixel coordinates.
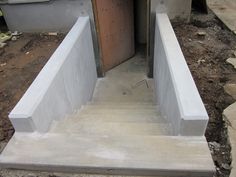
(120, 111)
(124, 155)
(122, 106)
(121, 103)
(110, 128)
(139, 118)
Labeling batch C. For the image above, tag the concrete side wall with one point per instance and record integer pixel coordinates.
(65, 83)
(176, 91)
(177, 10)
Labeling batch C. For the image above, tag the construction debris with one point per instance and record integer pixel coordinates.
(5, 37)
(52, 33)
(14, 38)
(2, 44)
(16, 33)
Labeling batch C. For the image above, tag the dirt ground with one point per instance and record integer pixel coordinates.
(206, 56)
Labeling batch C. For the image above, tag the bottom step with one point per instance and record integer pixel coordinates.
(127, 155)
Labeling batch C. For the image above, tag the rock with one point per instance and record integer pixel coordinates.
(14, 38)
(235, 53)
(232, 61)
(201, 33)
(52, 33)
(214, 145)
(230, 89)
(3, 64)
(16, 33)
(225, 166)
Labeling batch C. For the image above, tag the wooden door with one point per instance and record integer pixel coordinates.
(115, 26)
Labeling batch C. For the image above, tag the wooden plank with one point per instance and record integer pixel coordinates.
(115, 21)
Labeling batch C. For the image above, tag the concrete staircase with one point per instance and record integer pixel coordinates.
(111, 138)
(117, 119)
(118, 128)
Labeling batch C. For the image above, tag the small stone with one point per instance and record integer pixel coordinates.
(52, 33)
(232, 61)
(27, 53)
(225, 166)
(3, 64)
(201, 61)
(14, 38)
(16, 33)
(201, 33)
(230, 89)
(214, 145)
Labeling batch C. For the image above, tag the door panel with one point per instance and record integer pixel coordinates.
(115, 23)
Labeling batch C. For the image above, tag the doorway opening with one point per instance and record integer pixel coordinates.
(122, 27)
(140, 26)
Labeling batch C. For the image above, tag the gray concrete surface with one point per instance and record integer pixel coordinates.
(177, 10)
(65, 83)
(230, 88)
(225, 11)
(140, 155)
(229, 116)
(128, 82)
(175, 90)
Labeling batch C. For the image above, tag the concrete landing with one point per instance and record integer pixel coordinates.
(136, 155)
(127, 82)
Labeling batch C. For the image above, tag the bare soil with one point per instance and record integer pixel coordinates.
(21, 61)
(206, 56)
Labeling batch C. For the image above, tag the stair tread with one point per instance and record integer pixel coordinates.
(149, 155)
(149, 118)
(108, 128)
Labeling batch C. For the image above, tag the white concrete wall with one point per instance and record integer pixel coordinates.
(177, 10)
(176, 91)
(65, 83)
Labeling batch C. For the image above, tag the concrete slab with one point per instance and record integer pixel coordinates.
(152, 155)
(230, 89)
(232, 61)
(126, 83)
(229, 115)
(85, 128)
(225, 11)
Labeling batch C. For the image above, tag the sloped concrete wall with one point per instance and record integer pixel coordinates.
(176, 91)
(65, 83)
